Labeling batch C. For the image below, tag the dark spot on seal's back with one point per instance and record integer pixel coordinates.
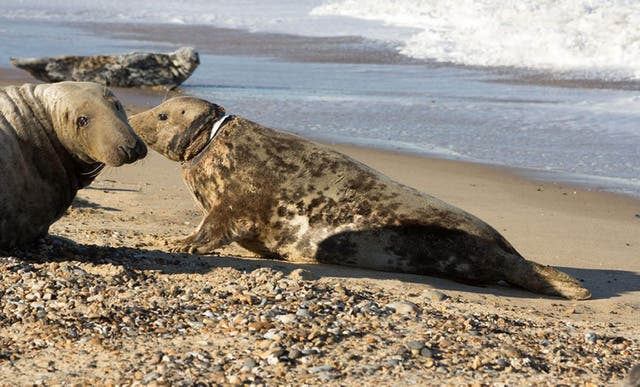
(315, 202)
(335, 166)
(364, 208)
(313, 219)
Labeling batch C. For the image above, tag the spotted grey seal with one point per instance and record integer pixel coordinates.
(54, 140)
(285, 197)
(135, 69)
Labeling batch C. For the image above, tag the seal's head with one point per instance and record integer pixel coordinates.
(91, 123)
(179, 128)
(186, 59)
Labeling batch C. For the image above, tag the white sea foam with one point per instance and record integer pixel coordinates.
(590, 38)
(587, 38)
(285, 16)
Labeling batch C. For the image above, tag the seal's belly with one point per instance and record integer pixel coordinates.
(299, 239)
(26, 209)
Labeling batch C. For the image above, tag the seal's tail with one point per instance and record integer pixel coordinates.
(543, 279)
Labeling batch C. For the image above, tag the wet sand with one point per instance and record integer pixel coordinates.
(130, 213)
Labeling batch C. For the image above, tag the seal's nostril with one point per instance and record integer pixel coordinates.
(127, 152)
(141, 149)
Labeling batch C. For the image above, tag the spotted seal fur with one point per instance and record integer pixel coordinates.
(134, 69)
(285, 197)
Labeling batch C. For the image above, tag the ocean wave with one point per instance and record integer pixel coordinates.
(589, 38)
(248, 14)
(582, 39)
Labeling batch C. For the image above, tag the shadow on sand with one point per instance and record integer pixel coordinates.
(83, 203)
(603, 284)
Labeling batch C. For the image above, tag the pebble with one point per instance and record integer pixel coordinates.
(323, 368)
(150, 377)
(390, 363)
(444, 343)
(403, 307)
(327, 376)
(273, 334)
(426, 352)
(248, 365)
(294, 354)
(434, 295)
(304, 313)
(177, 320)
(302, 275)
(272, 359)
(287, 318)
(590, 337)
(415, 345)
(309, 351)
(511, 351)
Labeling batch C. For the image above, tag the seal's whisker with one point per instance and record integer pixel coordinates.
(95, 171)
(99, 171)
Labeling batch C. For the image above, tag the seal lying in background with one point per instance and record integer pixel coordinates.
(135, 69)
(284, 197)
(54, 140)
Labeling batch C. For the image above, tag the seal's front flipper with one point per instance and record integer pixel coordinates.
(213, 233)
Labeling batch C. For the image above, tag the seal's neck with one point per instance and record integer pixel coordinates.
(217, 125)
(199, 143)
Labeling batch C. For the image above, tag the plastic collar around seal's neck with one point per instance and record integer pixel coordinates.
(217, 125)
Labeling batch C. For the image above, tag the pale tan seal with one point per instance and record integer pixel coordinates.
(54, 140)
(284, 197)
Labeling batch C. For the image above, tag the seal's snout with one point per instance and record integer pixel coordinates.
(140, 150)
(135, 153)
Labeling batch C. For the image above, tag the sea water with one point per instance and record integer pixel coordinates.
(551, 86)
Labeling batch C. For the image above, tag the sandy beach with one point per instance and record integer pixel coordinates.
(108, 305)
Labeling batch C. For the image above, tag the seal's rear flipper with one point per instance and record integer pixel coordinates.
(543, 279)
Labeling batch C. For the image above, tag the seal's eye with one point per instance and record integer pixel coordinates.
(162, 116)
(82, 121)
